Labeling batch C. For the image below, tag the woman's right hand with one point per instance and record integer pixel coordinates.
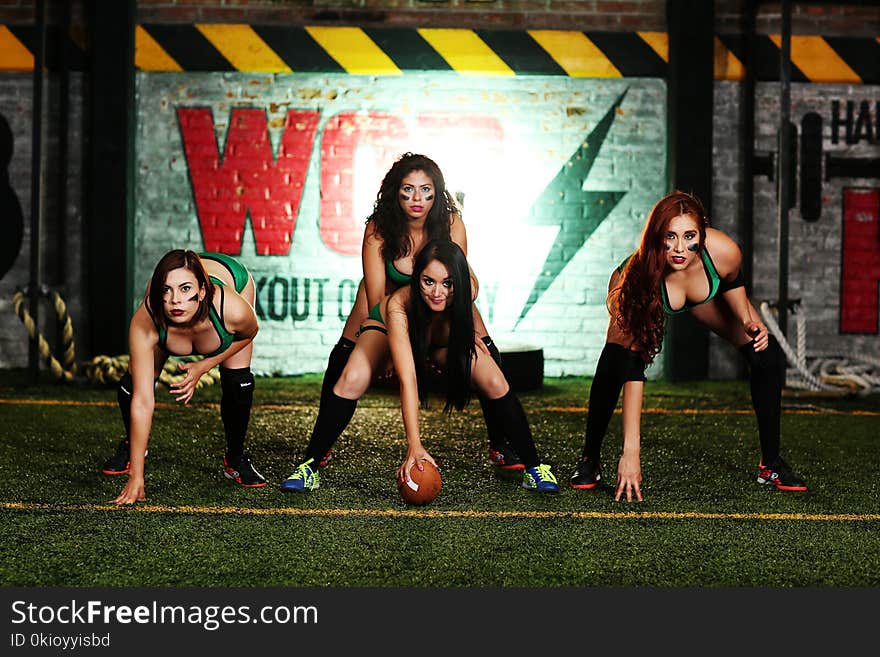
(413, 459)
(133, 492)
(629, 477)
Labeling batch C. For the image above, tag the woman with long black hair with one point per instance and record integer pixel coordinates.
(430, 321)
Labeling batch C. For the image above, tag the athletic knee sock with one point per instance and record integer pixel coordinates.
(616, 366)
(123, 398)
(493, 423)
(334, 414)
(335, 364)
(235, 408)
(765, 383)
(515, 425)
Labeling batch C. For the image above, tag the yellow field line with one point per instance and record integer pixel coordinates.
(427, 513)
(551, 409)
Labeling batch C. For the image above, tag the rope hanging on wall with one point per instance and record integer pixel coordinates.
(823, 372)
(67, 370)
(105, 370)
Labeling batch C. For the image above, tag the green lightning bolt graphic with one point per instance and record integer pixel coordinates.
(566, 189)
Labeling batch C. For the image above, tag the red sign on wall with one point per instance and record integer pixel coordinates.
(860, 271)
(249, 179)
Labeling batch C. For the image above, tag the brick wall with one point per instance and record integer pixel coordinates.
(500, 142)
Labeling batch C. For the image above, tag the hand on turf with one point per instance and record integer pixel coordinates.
(414, 459)
(186, 387)
(133, 492)
(758, 333)
(629, 477)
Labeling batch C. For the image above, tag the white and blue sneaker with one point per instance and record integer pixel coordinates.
(305, 479)
(540, 478)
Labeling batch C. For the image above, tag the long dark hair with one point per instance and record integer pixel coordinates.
(389, 218)
(461, 349)
(639, 298)
(178, 259)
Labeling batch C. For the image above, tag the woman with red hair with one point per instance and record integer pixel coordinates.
(681, 265)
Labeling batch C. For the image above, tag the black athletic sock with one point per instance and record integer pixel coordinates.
(493, 423)
(765, 383)
(616, 366)
(124, 392)
(334, 414)
(515, 425)
(335, 364)
(235, 408)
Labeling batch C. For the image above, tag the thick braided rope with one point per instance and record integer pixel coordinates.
(108, 370)
(827, 371)
(68, 369)
(809, 381)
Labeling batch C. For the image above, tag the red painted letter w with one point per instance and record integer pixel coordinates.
(249, 178)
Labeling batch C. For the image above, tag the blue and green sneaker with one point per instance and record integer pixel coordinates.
(540, 478)
(303, 480)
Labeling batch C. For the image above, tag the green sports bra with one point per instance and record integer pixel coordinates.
(714, 283)
(395, 275)
(711, 275)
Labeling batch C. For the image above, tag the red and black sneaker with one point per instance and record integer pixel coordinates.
(505, 458)
(780, 475)
(587, 475)
(118, 463)
(243, 472)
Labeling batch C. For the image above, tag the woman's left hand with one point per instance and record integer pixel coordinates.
(758, 332)
(413, 459)
(185, 388)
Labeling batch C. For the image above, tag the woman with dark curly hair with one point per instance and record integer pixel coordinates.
(681, 265)
(412, 207)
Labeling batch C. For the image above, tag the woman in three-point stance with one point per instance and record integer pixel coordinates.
(431, 321)
(681, 265)
(194, 305)
(412, 207)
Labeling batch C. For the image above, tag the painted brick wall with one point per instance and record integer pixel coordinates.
(816, 248)
(499, 142)
(60, 274)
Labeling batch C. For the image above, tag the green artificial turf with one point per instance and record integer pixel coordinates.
(705, 522)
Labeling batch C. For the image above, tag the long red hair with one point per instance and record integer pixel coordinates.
(639, 301)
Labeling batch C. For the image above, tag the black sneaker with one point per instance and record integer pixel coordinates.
(781, 475)
(243, 472)
(588, 474)
(118, 463)
(505, 458)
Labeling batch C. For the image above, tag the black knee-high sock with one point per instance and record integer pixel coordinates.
(334, 414)
(335, 364)
(616, 366)
(123, 398)
(235, 408)
(765, 382)
(515, 425)
(493, 423)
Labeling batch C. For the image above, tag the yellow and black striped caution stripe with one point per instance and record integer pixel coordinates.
(468, 52)
(436, 513)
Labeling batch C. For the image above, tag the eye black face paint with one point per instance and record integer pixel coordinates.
(430, 197)
(693, 248)
(668, 246)
(405, 197)
(194, 298)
